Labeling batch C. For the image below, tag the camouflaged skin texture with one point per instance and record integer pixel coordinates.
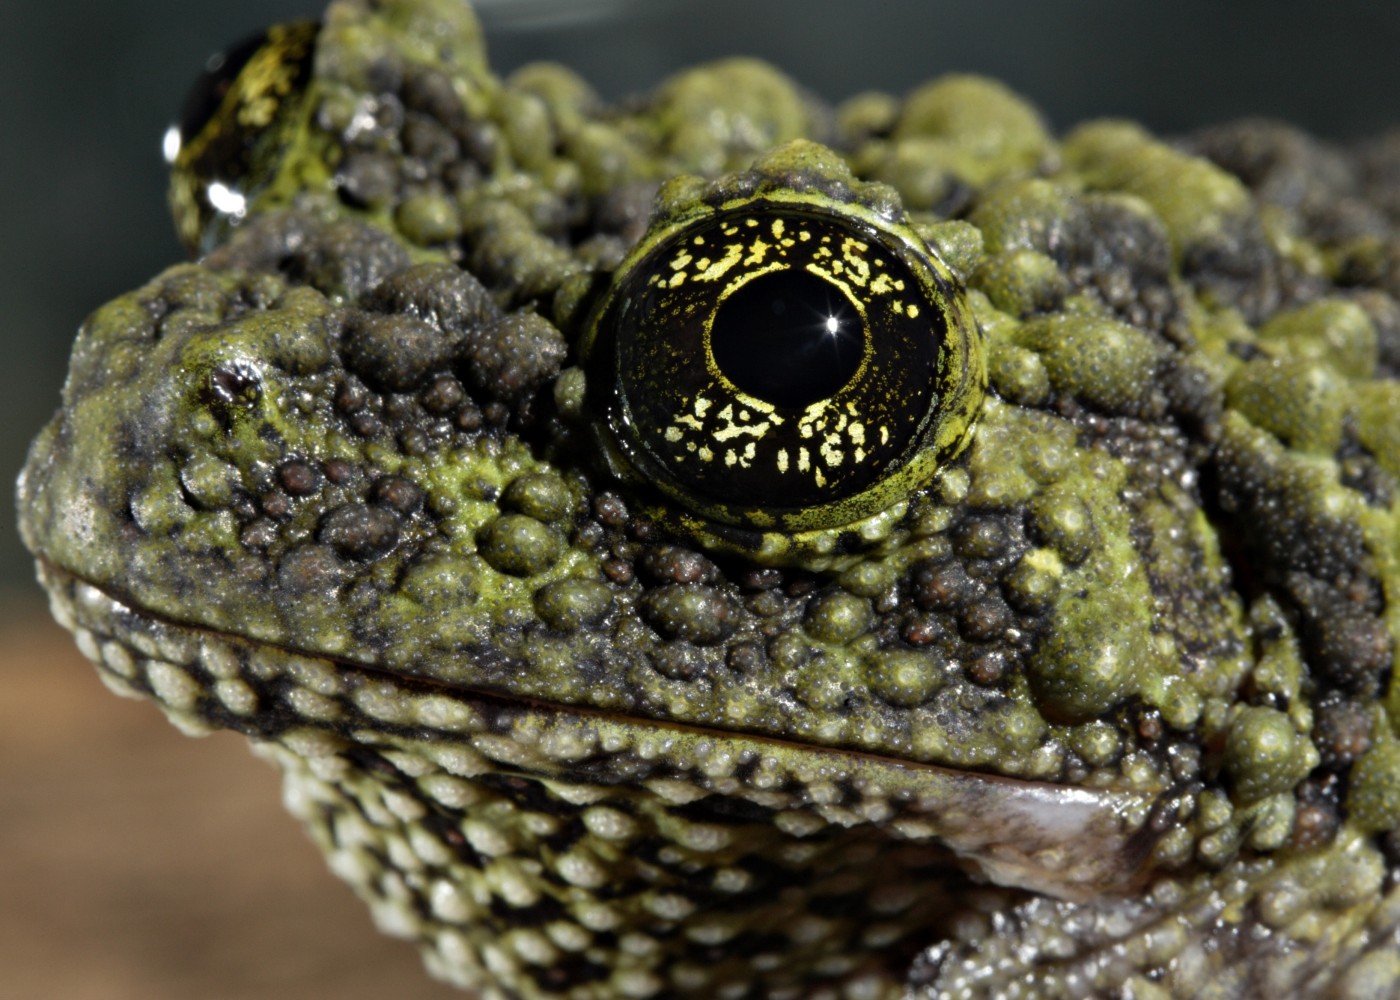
(1105, 708)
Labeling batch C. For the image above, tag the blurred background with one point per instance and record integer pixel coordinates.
(134, 863)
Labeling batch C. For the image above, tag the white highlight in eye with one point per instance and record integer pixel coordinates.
(832, 325)
(170, 144)
(225, 199)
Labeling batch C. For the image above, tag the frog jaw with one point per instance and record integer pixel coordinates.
(1064, 842)
(498, 833)
(379, 767)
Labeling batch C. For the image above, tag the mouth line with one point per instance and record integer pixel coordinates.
(424, 684)
(1068, 842)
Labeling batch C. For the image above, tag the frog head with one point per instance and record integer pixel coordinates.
(724, 544)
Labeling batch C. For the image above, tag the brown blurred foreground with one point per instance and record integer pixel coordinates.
(139, 863)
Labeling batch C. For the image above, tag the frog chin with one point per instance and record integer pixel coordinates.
(1069, 843)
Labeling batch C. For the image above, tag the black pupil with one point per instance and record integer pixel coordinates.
(788, 338)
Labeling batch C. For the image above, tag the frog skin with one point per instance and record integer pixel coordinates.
(1081, 687)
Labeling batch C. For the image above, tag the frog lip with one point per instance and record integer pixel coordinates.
(1062, 841)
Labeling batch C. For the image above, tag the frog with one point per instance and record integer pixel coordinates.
(724, 544)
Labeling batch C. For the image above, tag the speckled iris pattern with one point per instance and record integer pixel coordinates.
(1089, 692)
(821, 428)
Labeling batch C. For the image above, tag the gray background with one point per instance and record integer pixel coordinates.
(89, 87)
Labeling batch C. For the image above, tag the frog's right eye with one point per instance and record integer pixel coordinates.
(233, 127)
(785, 363)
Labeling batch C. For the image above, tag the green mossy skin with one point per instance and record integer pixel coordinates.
(1196, 202)
(1301, 404)
(718, 118)
(1161, 562)
(1373, 800)
(954, 133)
(1264, 755)
(1109, 366)
(957, 243)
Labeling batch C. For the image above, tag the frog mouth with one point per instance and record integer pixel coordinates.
(1066, 842)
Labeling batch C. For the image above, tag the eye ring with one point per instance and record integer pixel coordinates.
(783, 362)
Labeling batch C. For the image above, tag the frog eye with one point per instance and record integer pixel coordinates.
(784, 364)
(224, 147)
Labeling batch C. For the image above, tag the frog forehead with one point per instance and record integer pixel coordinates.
(356, 431)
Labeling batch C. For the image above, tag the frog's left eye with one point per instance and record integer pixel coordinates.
(232, 127)
(784, 364)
